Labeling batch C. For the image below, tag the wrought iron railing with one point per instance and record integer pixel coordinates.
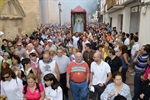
(111, 3)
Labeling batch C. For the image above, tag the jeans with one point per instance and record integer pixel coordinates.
(137, 85)
(124, 71)
(79, 90)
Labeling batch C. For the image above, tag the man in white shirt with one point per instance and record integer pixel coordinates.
(99, 76)
(83, 44)
(75, 40)
(134, 52)
(47, 65)
(127, 41)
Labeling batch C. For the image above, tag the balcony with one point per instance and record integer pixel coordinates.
(112, 3)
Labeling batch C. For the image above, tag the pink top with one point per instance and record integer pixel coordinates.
(35, 64)
(147, 72)
(36, 95)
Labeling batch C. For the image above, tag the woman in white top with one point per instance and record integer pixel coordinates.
(11, 86)
(53, 91)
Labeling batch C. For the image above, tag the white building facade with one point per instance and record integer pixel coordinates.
(128, 16)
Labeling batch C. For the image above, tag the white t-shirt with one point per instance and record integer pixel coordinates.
(12, 89)
(75, 41)
(83, 45)
(47, 68)
(136, 47)
(56, 94)
(100, 72)
(127, 42)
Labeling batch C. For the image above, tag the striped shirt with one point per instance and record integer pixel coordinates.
(78, 71)
(141, 63)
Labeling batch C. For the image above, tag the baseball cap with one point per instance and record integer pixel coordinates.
(50, 40)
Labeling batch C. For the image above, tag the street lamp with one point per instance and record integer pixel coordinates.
(59, 6)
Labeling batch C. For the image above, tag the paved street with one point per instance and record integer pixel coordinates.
(130, 80)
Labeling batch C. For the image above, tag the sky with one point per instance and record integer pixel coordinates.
(50, 13)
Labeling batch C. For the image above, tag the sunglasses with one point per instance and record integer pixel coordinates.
(6, 77)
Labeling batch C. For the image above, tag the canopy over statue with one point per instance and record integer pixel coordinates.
(78, 20)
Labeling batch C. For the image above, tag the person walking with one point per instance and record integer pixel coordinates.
(63, 62)
(99, 76)
(77, 77)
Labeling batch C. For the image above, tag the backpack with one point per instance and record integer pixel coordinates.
(25, 88)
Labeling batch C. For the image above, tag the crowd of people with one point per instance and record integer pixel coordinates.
(92, 64)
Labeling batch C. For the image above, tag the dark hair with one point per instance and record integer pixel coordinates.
(136, 33)
(32, 54)
(131, 36)
(4, 40)
(8, 71)
(127, 35)
(25, 61)
(100, 46)
(12, 46)
(124, 49)
(147, 48)
(16, 58)
(112, 51)
(123, 33)
(136, 38)
(71, 39)
(51, 77)
(88, 45)
(120, 97)
(116, 74)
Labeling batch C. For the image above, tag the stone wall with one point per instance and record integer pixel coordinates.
(18, 24)
(32, 19)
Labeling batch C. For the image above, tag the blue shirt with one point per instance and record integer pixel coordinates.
(125, 91)
(141, 63)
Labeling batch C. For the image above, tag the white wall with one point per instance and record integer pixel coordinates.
(106, 18)
(115, 18)
(50, 12)
(144, 32)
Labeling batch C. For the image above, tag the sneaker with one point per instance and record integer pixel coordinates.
(132, 74)
(131, 70)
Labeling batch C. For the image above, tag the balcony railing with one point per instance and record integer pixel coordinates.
(111, 3)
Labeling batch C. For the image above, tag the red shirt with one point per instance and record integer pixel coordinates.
(147, 72)
(35, 95)
(78, 72)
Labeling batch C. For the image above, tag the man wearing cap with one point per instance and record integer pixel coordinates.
(20, 49)
(50, 45)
